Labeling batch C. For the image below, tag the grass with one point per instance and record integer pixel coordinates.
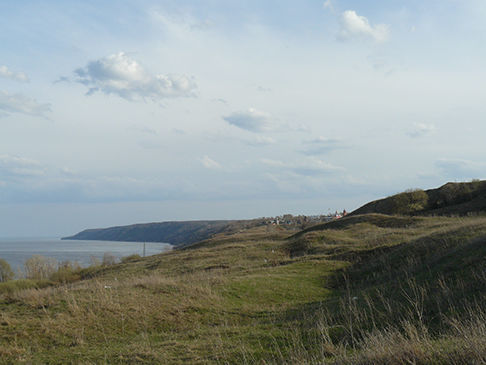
(366, 289)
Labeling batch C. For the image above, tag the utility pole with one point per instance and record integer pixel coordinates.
(144, 249)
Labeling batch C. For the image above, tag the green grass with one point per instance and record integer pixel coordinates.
(370, 289)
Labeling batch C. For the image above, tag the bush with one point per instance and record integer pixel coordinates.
(39, 267)
(410, 201)
(67, 272)
(6, 272)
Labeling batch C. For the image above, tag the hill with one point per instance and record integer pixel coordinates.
(175, 233)
(449, 199)
(188, 232)
(365, 289)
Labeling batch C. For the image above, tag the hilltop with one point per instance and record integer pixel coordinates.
(450, 199)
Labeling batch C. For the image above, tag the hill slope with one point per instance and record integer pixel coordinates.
(449, 199)
(370, 289)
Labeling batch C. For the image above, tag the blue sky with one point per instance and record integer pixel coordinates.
(135, 111)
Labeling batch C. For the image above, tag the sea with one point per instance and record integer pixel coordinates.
(17, 250)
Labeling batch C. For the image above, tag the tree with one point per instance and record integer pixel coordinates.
(410, 201)
(6, 272)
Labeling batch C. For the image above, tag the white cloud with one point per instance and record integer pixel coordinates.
(421, 129)
(252, 120)
(356, 26)
(121, 75)
(13, 166)
(17, 76)
(210, 163)
(18, 103)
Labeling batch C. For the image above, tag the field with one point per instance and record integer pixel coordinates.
(366, 289)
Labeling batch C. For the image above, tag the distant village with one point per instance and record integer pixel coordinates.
(304, 220)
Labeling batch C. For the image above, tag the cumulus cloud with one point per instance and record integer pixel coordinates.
(321, 146)
(17, 76)
(421, 129)
(252, 120)
(13, 166)
(459, 169)
(121, 75)
(209, 163)
(18, 103)
(354, 26)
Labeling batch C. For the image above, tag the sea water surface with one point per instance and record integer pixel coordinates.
(16, 250)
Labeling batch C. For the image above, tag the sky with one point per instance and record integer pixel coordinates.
(120, 112)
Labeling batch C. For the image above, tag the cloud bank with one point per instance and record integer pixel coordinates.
(120, 75)
(354, 26)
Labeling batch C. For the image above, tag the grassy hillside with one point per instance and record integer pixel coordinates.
(365, 289)
(449, 199)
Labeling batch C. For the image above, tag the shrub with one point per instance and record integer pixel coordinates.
(39, 267)
(6, 272)
(67, 272)
(409, 201)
